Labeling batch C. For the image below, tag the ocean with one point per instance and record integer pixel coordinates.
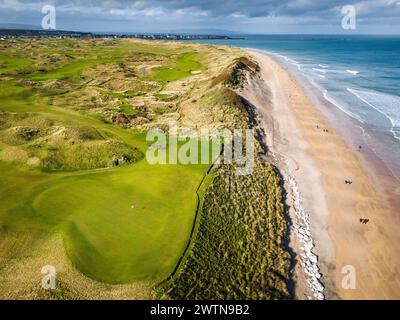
(359, 75)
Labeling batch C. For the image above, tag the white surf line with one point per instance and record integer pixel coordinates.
(365, 137)
(356, 93)
(301, 226)
(355, 72)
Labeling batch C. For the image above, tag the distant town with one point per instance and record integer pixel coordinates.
(18, 34)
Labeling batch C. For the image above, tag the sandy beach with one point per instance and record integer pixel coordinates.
(307, 147)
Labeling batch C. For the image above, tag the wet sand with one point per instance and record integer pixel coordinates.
(306, 145)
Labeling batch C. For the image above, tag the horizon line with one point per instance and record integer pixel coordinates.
(228, 33)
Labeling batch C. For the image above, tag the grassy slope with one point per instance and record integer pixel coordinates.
(9, 63)
(239, 248)
(238, 252)
(182, 67)
(105, 238)
(91, 209)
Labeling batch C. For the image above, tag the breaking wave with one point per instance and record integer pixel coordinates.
(386, 104)
(352, 71)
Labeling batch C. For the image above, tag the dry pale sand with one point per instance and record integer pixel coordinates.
(321, 162)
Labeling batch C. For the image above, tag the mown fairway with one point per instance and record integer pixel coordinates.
(119, 224)
(106, 238)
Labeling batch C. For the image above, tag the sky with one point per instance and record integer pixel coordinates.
(238, 16)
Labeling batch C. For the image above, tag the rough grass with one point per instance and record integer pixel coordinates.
(129, 223)
(234, 75)
(23, 255)
(34, 140)
(107, 238)
(69, 71)
(239, 247)
(90, 155)
(119, 224)
(9, 63)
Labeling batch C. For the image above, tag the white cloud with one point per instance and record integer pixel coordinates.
(229, 14)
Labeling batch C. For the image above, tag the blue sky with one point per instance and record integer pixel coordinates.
(245, 16)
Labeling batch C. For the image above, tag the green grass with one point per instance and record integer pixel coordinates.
(238, 252)
(70, 70)
(165, 97)
(125, 107)
(105, 237)
(132, 222)
(9, 89)
(9, 63)
(181, 67)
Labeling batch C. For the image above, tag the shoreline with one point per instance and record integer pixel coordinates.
(320, 160)
(335, 113)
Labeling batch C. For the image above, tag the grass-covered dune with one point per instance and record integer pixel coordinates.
(76, 191)
(68, 169)
(241, 247)
(239, 252)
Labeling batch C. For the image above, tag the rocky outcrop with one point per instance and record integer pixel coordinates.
(301, 227)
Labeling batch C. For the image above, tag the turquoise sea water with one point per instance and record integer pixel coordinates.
(360, 75)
